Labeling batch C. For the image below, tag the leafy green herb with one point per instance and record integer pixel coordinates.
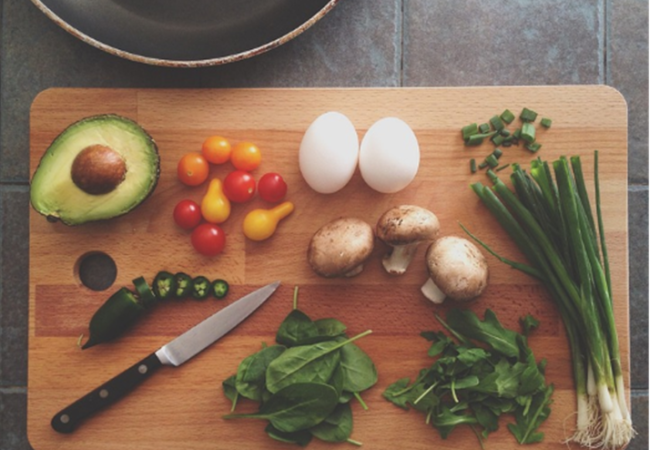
(296, 407)
(305, 384)
(481, 371)
(251, 374)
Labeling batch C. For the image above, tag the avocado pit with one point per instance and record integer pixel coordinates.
(98, 169)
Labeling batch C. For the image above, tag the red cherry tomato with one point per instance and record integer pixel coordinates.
(272, 187)
(208, 239)
(187, 214)
(239, 186)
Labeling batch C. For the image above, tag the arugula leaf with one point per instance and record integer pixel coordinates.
(528, 323)
(445, 421)
(489, 331)
(397, 393)
(526, 424)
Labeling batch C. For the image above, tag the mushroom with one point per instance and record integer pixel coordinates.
(404, 228)
(457, 269)
(339, 248)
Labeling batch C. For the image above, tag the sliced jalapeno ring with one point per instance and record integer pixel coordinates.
(220, 288)
(164, 285)
(200, 288)
(183, 285)
(147, 297)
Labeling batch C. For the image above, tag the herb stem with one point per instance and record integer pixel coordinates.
(360, 400)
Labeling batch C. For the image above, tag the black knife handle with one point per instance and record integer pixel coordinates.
(66, 420)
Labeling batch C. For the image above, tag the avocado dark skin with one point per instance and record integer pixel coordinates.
(95, 183)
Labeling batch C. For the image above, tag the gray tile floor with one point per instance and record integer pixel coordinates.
(361, 43)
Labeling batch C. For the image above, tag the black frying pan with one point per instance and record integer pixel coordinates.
(185, 33)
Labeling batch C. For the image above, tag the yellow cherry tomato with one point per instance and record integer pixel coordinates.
(260, 224)
(215, 206)
(246, 156)
(216, 149)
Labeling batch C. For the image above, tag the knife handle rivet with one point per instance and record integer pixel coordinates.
(143, 369)
(64, 418)
(103, 393)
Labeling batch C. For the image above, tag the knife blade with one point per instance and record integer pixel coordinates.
(174, 353)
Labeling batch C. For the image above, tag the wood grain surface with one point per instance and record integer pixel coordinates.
(181, 408)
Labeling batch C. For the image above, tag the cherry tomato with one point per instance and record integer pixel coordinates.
(208, 239)
(187, 214)
(239, 186)
(246, 156)
(193, 169)
(272, 187)
(216, 150)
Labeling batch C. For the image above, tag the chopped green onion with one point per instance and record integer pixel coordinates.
(483, 165)
(528, 115)
(497, 123)
(507, 116)
(497, 139)
(517, 133)
(472, 165)
(545, 122)
(492, 161)
(528, 132)
(484, 128)
(499, 169)
(505, 132)
(497, 153)
(469, 130)
(533, 147)
(477, 139)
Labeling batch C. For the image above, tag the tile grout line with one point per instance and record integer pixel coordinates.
(401, 44)
(605, 44)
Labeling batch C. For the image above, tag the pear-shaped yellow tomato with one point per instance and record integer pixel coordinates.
(215, 206)
(260, 224)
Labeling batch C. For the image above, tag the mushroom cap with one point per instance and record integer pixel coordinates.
(340, 246)
(457, 267)
(406, 224)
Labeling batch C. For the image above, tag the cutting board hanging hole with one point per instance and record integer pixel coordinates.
(96, 270)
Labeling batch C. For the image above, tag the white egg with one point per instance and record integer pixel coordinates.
(329, 152)
(389, 156)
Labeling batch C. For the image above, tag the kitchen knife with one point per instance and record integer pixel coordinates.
(174, 353)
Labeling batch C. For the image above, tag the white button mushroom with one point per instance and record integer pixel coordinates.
(404, 227)
(340, 248)
(457, 270)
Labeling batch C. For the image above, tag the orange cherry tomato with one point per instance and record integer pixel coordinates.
(193, 169)
(246, 156)
(216, 149)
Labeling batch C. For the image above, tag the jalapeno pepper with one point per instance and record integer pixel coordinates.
(183, 285)
(113, 317)
(220, 288)
(200, 288)
(146, 295)
(164, 285)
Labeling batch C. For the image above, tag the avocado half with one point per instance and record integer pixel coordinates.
(97, 168)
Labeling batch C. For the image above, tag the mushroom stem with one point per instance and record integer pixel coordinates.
(397, 260)
(433, 292)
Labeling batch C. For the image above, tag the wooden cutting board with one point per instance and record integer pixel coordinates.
(181, 408)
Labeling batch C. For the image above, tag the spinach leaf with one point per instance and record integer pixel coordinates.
(295, 328)
(296, 407)
(359, 372)
(302, 437)
(230, 390)
(307, 363)
(251, 374)
(337, 427)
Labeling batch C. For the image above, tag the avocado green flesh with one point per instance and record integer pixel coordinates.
(55, 195)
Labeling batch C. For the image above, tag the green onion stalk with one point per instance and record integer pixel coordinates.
(549, 217)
